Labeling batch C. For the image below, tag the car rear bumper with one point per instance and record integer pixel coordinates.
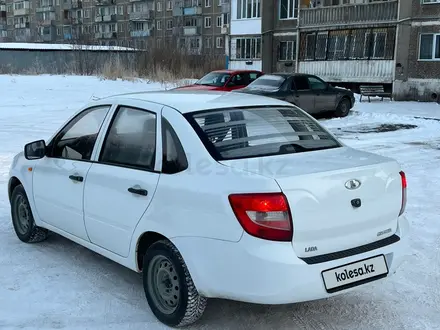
(258, 271)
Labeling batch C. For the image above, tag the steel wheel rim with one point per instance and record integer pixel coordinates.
(22, 214)
(344, 107)
(163, 284)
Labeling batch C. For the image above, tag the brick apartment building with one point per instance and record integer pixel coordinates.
(196, 24)
(395, 43)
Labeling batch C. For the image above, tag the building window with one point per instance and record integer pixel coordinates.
(207, 3)
(430, 1)
(248, 9)
(194, 43)
(287, 51)
(219, 42)
(219, 21)
(247, 48)
(429, 49)
(159, 6)
(207, 22)
(159, 25)
(169, 24)
(169, 5)
(121, 27)
(288, 9)
(208, 42)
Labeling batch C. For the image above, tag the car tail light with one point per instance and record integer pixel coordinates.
(404, 185)
(265, 216)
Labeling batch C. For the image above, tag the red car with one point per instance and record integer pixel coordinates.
(225, 80)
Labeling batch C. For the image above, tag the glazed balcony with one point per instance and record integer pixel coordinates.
(374, 12)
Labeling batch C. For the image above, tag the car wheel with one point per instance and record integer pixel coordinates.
(169, 288)
(343, 108)
(23, 220)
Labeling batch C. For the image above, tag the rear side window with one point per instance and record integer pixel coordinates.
(301, 83)
(258, 132)
(173, 156)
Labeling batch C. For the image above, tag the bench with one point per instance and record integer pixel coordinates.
(376, 90)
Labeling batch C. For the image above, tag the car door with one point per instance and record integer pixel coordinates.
(58, 178)
(121, 183)
(302, 94)
(324, 97)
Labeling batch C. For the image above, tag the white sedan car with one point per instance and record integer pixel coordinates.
(214, 195)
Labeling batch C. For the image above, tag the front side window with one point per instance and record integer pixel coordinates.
(258, 132)
(131, 140)
(317, 84)
(77, 140)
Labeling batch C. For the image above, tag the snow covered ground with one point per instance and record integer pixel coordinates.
(60, 285)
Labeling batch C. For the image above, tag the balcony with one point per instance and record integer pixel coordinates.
(105, 35)
(48, 37)
(21, 12)
(77, 20)
(47, 22)
(226, 6)
(45, 9)
(191, 31)
(22, 25)
(77, 4)
(141, 15)
(374, 12)
(105, 2)
(225, 29)
(140, 33)
(191, 11)
(105, 18)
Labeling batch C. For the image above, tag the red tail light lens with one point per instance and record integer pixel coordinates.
(404, 185)
(265, 216)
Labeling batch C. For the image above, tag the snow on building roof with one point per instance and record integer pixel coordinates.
(43, 46)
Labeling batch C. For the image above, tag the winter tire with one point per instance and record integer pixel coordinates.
(169, 288)
(23, 220)
(343, 108)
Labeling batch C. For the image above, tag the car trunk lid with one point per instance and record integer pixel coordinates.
(323, 194)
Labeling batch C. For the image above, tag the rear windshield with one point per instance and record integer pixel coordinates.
(268, 81)
(257, 132)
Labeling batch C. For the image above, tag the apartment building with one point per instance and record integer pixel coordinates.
(417, 63)
(245, 34)
(354, 42)
(3, 22)
(198, 25)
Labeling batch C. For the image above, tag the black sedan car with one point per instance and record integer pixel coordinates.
(306, 91)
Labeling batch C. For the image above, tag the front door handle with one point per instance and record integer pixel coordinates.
(78, 178)
(138, 191)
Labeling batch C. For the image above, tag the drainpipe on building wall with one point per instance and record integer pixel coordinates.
(395, 50)
(297, 39)
(227, 50)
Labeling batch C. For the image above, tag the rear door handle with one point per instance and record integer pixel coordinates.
(78, 178)
(138, 191)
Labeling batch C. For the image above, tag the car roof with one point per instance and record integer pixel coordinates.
(186, 101)
(288, 74)
(234, 71)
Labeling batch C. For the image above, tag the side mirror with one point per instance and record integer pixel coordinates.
(35, 150)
